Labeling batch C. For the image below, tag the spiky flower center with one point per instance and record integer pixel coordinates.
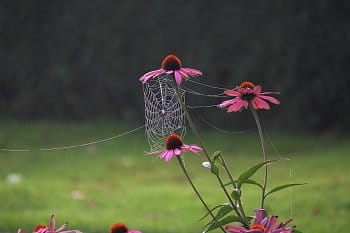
(247, 85)
(173, 141)
(119, 228)
(171, 62)
(250, 96)
(38, 227)
(257, 226)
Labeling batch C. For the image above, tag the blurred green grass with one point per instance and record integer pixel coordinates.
(119, 184)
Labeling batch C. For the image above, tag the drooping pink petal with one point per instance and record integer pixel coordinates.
(169, 155)
(270, 98)
(177, 151)
(195, 149)
(260, 104)
(227, 103)
(257, 90)
(164, 154)
(241, 90)
(260, 214)
(271, 223)
(130, 231)
(254, 231)
(178, 77)
(185, 148)
(232, 93)
(151, 74)
(183, 74)
(191, 72)
(237, 106)
(235, 229)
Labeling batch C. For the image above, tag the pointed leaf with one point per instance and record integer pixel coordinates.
(248, 181)
(236, 193)
(222, 212)
(281, 187)
(223, 222)
(214, 208)
(251, 171)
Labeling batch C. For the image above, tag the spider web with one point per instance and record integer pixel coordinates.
(163, 112)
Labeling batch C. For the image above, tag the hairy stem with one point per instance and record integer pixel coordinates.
(199, 139)
(195, 190)
(262, 142)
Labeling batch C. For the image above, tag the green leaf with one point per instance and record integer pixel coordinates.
(214, 208)
(224, 221)
(248, 181)
(251, 171)
(216, 155)
(222, 212)
(281, 187)
(214, 168)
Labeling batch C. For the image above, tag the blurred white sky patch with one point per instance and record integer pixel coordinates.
(13, 178)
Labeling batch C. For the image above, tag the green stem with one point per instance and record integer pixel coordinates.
(258, 124)
(195, 190)
(195, 132)
(229, 174)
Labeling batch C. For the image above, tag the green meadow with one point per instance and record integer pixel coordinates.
(95, 186)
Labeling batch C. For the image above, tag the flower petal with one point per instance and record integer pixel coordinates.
(150, 74)
(257, 90)
(164, 154)
(178, 77)
(169, 155)
(133, 231)
(154, 152)
(235, 229)
(227, 103)
(61, 228)
(260, 214)
(191, 72)
(237, 106)
(270, 98)
(177, 151)
(52, 222)
(232, 93)
(261, 104)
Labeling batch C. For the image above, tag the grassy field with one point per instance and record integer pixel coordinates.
(95, 186)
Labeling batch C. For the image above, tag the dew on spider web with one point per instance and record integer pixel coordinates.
(163, 112)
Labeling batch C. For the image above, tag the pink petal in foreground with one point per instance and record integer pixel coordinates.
(270, 98)
(227, 103)
(150, 74)
(178, 77)
(169, 155)
(257, 90)
(237, 106)
(177, 151)
(232, 93)
(134, 232)
(235, 229)
(260, 103)
(191, 72)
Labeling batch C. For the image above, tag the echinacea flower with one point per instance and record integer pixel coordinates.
(245, 94)
(174, 146)
(171, 65)
(51, 229)
(263, 224)
(121, 228)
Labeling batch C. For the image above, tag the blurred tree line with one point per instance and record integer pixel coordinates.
(82, 59)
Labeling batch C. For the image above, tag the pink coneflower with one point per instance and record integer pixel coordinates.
(245, 94)
(121, 228)
(175, 146)
(263, 224)
(51, 229)
(171, 65)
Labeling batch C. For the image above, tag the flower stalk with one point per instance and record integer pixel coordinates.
(196, 133)
(179, 158)
(262, 142)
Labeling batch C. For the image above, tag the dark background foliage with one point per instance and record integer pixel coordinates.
(82, 59)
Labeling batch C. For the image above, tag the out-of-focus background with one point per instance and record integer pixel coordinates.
(69, 74)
